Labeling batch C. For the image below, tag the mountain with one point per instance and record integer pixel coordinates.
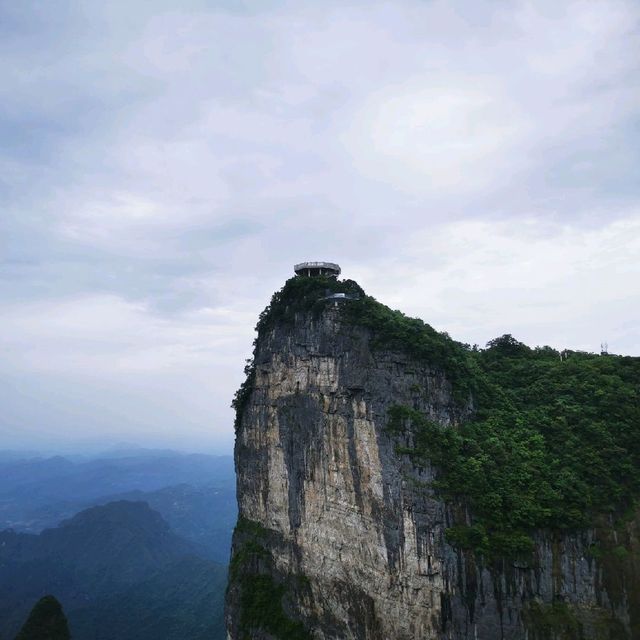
(204, 515)
(37, 493)
(393, 483)
(103, 565)
(45, 622)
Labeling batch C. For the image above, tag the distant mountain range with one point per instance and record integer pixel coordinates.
(119, 572)
(42, 481)
(133, 543)
(194, 493)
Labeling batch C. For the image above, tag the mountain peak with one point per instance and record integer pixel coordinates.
(121, 512)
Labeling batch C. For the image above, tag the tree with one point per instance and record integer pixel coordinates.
(507, 345)
(45, 622)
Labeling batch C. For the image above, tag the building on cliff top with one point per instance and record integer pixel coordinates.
(330, 269)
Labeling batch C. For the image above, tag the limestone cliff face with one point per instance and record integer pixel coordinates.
(346, 534)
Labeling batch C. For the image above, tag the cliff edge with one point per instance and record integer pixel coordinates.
(393, 483)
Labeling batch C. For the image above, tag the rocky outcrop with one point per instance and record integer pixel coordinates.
(342, 537)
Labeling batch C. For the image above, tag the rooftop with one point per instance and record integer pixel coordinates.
(317, 269)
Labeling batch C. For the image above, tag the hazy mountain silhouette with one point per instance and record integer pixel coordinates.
(202, 515)
(57, 478)
(40, 492)
(45, 622)
(113, 567)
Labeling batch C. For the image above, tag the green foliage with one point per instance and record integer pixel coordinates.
(253, 534)
(242, 395)
(261, 603)
(302, 294)
(546, 621)
(620, 552)
(555, 443)
(261, 598)
(473, 538)
(595, 551)
(397, 332)
(45, 622)
(390, 329)
(563, 621)
(251, 527)
(138, 579)
(184, 600)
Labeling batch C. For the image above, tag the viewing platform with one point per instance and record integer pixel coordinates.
(330, 269)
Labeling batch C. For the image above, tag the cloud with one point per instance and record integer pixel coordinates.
(546, 283)
(431, 138)
(95, 365)
(163, 166)
(106, 336)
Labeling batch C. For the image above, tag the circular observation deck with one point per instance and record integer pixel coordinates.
(330, 269)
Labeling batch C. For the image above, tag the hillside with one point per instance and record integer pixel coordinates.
(103, 565)
(203, 515)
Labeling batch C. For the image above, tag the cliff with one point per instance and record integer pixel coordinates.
(393, 483)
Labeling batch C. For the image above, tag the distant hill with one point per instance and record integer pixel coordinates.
(119, 571)
(204, 515)
(45, 622)
(36, 493)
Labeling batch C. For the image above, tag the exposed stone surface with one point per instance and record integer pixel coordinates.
(318, 470)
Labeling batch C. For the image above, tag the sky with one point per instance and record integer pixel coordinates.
(164, 164)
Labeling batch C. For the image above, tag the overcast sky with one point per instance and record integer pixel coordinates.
(164, 164)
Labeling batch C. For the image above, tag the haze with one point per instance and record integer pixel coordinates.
(163, 165)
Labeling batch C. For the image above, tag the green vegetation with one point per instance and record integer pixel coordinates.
(397, 332)
(563, 621)
(390, 329)
(261, 598)
(185, 600)
(241, 397)
(261, 603)
(301, 294)
(45, 622)
(251, 548)
(546, 621)
(555, 443)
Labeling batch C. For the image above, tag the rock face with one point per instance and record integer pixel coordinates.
(341, 537)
